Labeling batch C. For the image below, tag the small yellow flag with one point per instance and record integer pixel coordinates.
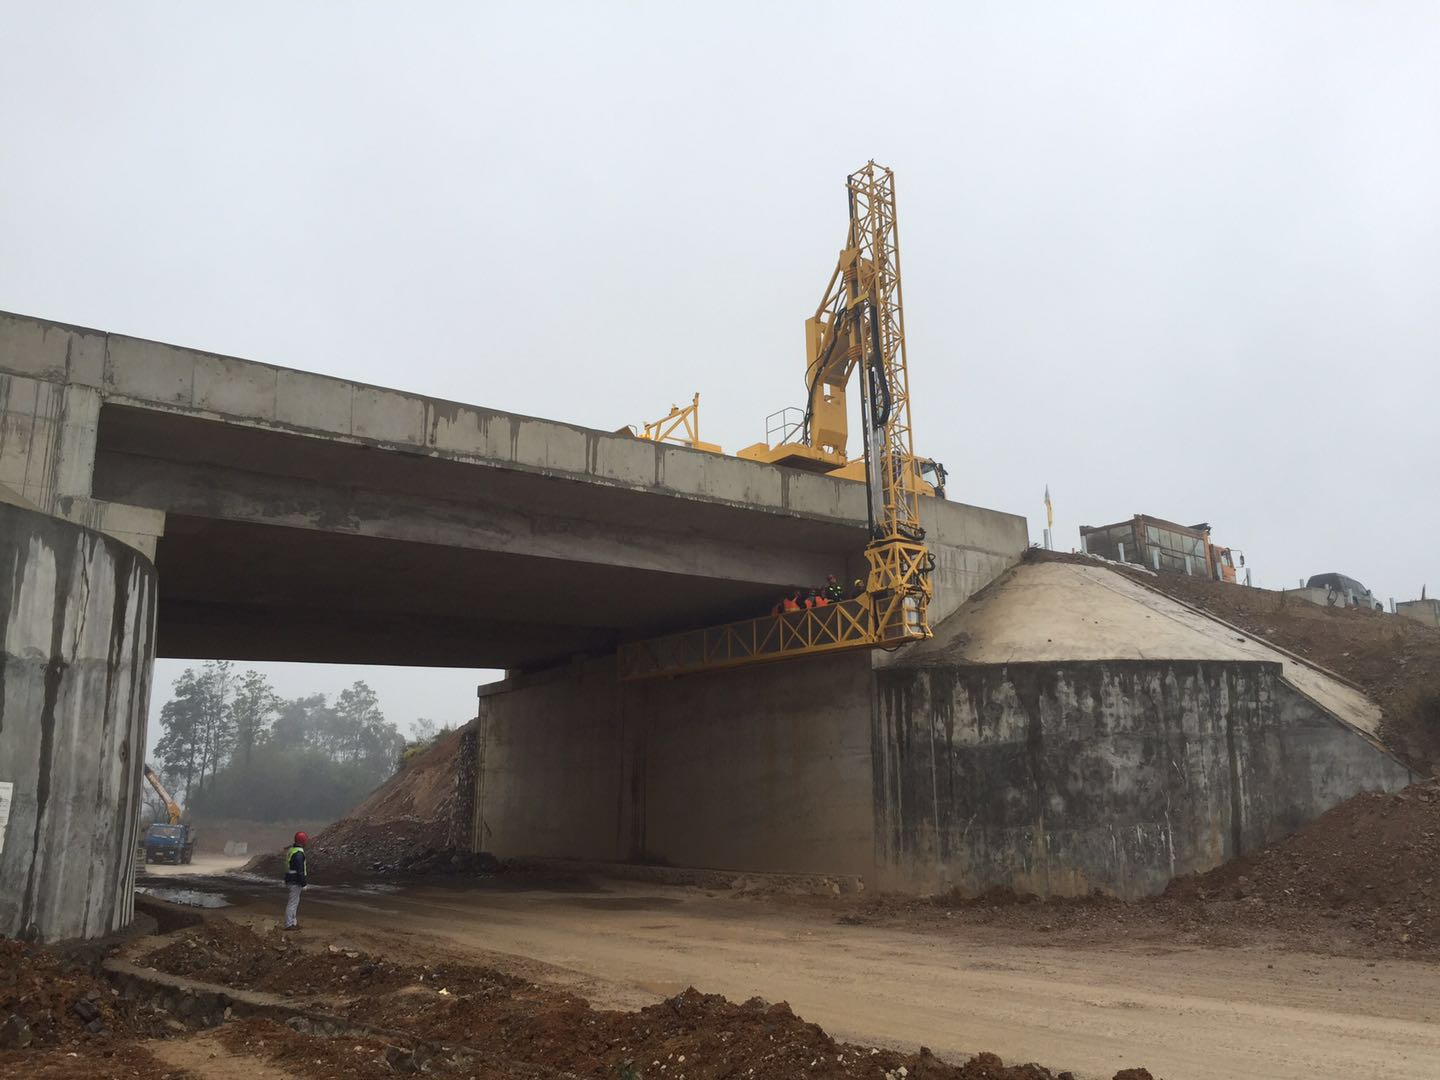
(1049, 510)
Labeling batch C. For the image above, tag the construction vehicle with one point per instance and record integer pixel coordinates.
(1162, 546)
(167, 843)
(681, 425)
(859, 326)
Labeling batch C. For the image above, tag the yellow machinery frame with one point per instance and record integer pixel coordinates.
(845, 625)
(681, 425)
(859, 324)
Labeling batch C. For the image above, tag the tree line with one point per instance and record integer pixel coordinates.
(232, 747)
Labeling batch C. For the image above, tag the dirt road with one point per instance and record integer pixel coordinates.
(1185, 1013)
(202, 864)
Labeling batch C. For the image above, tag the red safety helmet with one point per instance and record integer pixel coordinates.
(301, 839)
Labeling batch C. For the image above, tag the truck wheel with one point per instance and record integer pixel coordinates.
(188, 856)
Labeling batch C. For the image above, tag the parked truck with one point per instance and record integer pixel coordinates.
(1162, 546)
(167, 843)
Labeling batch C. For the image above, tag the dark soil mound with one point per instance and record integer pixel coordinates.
(1371, 861)
(422, 809)
(692, 1034)
(224, 952)
(46, 1002)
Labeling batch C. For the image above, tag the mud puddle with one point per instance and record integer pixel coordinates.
(188, 897)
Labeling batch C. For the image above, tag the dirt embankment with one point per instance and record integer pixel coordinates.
(1372, 864)
(459, 1006)
(58, 1019)
(424, 807)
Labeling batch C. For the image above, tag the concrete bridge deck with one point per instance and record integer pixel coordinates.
(296, 516)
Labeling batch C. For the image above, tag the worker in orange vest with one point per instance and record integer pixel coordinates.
(791, 602)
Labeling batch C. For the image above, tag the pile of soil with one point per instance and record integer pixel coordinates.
(424, 807)
(1373, 862)
(48, 1002)
(459, 1006)
(449, 861)
(344, 1057)
(221, 951)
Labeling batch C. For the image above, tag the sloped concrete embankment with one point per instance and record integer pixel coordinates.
(1072, 730)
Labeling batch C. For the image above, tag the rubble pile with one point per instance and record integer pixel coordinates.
(421, 811)
(449, 861)
(1372, 864)
(224, 952)
(45, 1002)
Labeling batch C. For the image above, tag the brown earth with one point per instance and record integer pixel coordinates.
(59, 1020)
(457, 1006)
(221, 951)
(1370, 862)
(422, 808)
(62, 1004)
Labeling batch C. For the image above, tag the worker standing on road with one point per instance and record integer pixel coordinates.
(295, 878)
(833, 592)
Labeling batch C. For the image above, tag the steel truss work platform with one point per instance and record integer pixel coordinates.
(849, 624)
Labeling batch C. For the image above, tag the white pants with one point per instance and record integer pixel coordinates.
(292, 907)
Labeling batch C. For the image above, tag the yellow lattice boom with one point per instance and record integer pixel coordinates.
(858, 325)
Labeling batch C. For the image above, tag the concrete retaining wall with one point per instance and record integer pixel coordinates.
(1422, 611)
(77, 612)
(1061, 778)
(759, 769)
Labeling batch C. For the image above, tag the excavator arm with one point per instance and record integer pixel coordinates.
(171, 806)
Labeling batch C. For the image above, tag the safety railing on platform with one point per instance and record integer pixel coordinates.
(844, 625)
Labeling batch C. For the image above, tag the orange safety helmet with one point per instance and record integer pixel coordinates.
(301, 839)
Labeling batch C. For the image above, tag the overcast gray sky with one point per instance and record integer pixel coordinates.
(1173, 259)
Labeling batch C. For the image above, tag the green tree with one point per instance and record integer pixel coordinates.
(363, 735)
(252, 712)
(216, 733)
(302, 722)
(179, 749)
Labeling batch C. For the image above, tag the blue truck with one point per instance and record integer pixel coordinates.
(172, 842)
(169, 844)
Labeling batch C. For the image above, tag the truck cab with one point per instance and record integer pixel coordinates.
(169, 844)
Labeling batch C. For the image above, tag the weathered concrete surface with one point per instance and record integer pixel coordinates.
(1051, 611)
(77, 614)
(1063, 777)
(360, 524)
(1422, 611)
(1066, 730)
(764, 769)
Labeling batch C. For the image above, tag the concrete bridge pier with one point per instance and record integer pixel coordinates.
(77, 645)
